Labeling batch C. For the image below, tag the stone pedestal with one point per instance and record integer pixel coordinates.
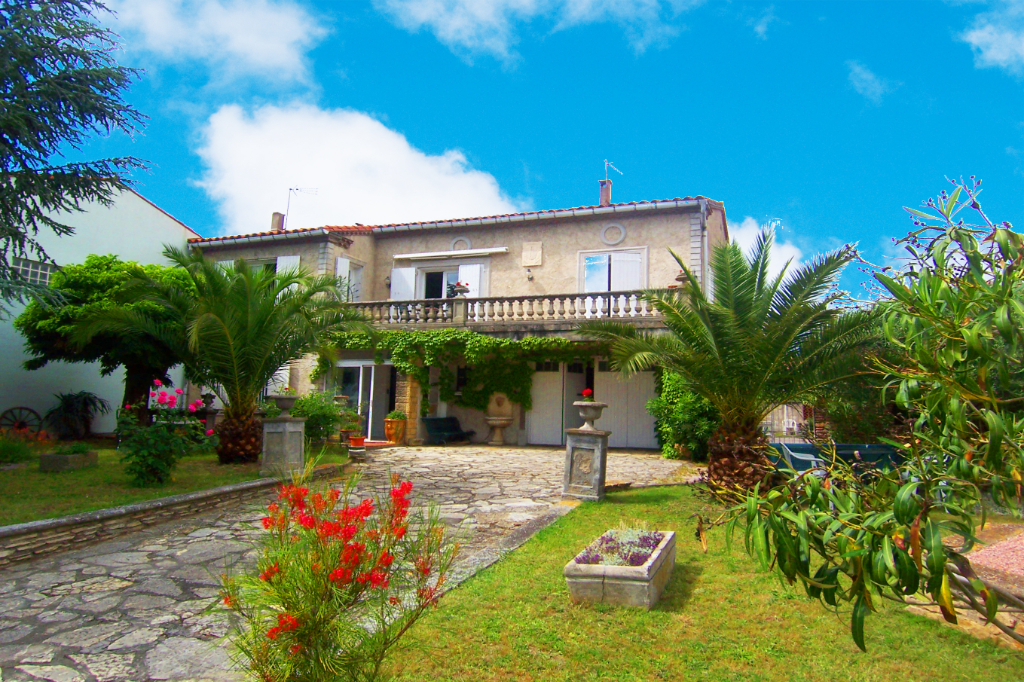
(284, 441)
(586, 460)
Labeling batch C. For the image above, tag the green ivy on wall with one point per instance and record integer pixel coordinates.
(494, 365)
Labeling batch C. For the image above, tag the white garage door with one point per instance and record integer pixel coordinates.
(626, 415)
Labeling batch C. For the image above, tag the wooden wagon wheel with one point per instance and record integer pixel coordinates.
(21, 419)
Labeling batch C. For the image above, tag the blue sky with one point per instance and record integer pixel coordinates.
(828, 116)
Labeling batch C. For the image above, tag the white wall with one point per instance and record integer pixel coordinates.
(133, 229)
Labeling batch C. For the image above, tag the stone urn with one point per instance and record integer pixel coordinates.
(460, 289)
(208, 399)
(590, 411)
(394, 430)
(284, 403)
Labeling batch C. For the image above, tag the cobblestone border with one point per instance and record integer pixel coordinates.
(25, 541)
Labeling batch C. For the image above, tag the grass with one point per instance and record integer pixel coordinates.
(31, 495)
(719, 619)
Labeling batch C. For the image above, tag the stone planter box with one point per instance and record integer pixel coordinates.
(624, 585)
(50, 461)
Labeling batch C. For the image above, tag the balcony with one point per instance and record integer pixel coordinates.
(509, 314)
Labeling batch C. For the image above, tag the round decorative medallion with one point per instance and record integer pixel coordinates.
(613, 234)
(460, 244)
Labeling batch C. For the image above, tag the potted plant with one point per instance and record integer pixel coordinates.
(623, 567)
(284, 400)
(68, 457)
(590, 410)
(460, 289)
(394, 427)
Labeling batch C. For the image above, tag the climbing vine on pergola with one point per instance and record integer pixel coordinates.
(494, 365)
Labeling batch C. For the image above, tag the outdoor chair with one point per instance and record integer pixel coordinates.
(443, 430)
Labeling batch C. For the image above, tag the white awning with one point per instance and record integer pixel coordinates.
(439, 255)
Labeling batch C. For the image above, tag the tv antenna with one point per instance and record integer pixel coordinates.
(607, 165)
(288, 206)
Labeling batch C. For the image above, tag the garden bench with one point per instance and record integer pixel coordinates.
(442, 430)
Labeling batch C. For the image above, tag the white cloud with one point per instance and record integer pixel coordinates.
(997, 37)
(745, 234)
(471, 27)
(763, 22)
(268, 38)
(865, 82)
(363, 171)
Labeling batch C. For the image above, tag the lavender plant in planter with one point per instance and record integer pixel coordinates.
(623, 567)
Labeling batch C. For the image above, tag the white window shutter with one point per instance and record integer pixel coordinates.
(355, 283)
(287, 263)
(281, 379)
(626, 271)
(403, 284)
(471, 275)
(341, 272)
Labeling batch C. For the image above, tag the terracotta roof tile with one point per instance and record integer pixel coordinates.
(503, 217)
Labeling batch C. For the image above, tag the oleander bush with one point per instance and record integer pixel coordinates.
(337, 583)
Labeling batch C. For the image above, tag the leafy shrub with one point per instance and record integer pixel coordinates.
(396, 414)
(323, 415)
(335, 586)
(13, 450)
(71, 418)
(350, 420)
(151, 451)
(684, 420)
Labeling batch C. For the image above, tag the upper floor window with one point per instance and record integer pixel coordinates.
(32, 271)
(613, 270)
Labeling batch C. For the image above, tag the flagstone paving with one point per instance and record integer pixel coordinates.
(143, 607)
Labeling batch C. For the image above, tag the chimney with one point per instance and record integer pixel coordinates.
(277, 222)
(606, 192)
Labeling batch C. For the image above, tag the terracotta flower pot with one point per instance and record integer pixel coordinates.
(394, 430)
(357, 441)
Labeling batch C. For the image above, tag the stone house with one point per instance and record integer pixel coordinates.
(536, 273)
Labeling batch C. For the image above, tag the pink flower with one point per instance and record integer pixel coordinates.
(179, 391)
(191, 408)
(202, 421)
(163, 393)
(152, 394)
(157, 382)
(127, 406)
(162, 399)
(209, 432)
(172, 400)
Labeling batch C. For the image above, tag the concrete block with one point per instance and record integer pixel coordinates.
(640, 586)
(50, 461)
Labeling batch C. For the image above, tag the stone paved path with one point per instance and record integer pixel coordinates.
(142, 607)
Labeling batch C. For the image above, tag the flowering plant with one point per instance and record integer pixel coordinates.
(151, 451)
(337, 583)
(588, 395)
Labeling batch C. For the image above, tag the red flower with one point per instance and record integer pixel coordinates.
(394, 601)
(342, 576)
(385, 559)
(270, 572)
(296, 648)
(209, 432)
(229, 601)
(157, 382)
(287, 622)
(587, 392)
(422, 566)
(306, 521)
(272, 633)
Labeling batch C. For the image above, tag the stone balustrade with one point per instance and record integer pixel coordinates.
(496, 310)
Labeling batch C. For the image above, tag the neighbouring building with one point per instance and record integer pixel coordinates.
(535, 273)
(132, 228)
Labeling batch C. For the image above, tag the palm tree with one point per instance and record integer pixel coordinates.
(241, 324)
(758, 343)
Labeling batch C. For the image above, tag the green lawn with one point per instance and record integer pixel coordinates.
(30, 495)
(719, 619)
